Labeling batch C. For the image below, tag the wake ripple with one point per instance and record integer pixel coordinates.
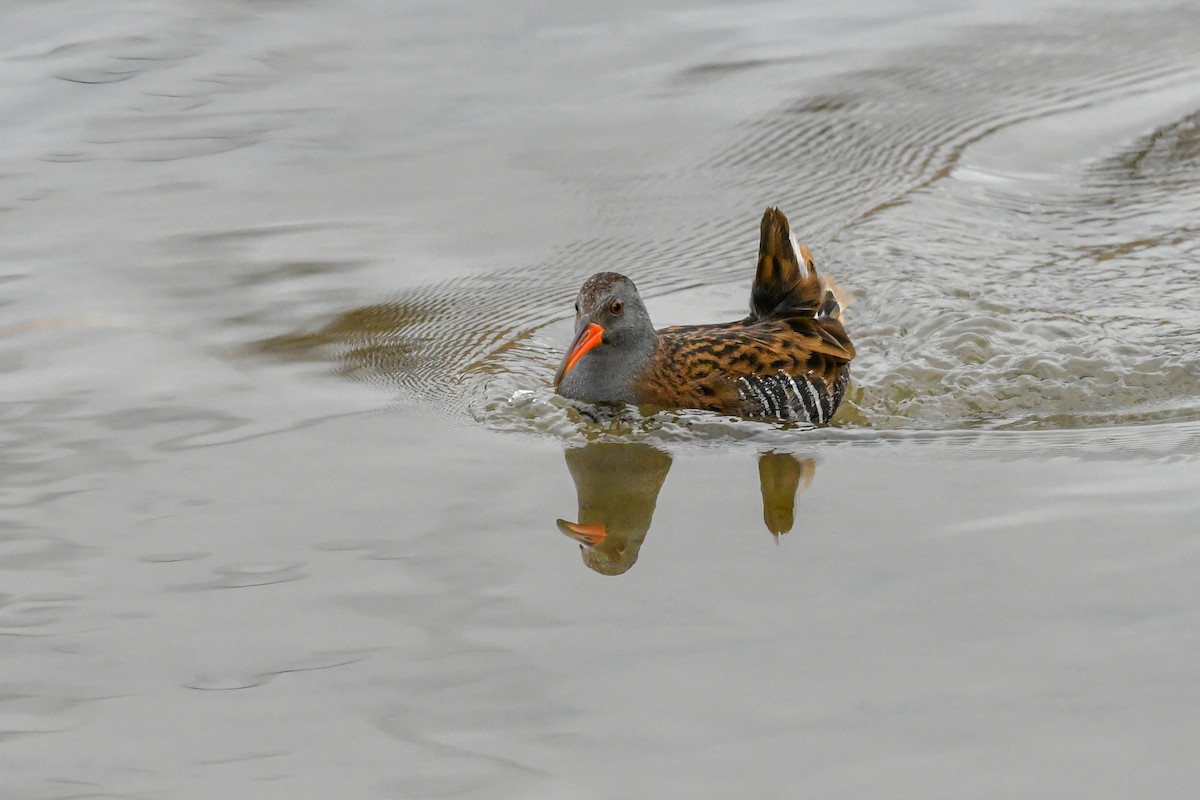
(1032, 292)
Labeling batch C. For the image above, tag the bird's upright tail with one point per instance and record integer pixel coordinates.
(786, 283)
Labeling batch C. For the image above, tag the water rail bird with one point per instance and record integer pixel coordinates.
(788, 360)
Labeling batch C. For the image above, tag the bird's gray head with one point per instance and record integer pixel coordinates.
(614, 341)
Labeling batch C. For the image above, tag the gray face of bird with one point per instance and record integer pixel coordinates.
(614, 338)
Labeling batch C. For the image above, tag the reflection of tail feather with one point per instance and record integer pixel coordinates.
(781, 476)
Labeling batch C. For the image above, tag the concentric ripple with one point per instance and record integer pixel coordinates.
(1016, 213)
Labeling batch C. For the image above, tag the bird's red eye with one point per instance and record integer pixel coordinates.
(615, 307)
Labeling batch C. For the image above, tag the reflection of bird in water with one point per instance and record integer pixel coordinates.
(788, 360)
(781, 475)
(617, 484)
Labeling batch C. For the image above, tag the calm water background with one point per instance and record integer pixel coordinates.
(281, 288)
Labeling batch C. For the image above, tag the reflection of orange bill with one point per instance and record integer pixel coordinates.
(587, 535)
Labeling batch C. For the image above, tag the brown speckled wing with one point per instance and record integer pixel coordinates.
(788, 360)
(787, 369)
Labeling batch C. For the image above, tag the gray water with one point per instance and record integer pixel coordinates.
(282, 287)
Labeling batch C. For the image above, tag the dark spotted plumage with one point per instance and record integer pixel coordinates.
(788, 360)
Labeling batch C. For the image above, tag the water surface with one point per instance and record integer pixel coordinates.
(283, 491)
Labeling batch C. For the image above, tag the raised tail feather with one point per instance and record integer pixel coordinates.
(786, 283)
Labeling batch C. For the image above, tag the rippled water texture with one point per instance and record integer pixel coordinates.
(287, 508)
(1022, 250)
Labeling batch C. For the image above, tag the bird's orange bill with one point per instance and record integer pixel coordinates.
(589, 336)
(589, 535)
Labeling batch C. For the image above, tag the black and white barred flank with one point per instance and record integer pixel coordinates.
(784, 397)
